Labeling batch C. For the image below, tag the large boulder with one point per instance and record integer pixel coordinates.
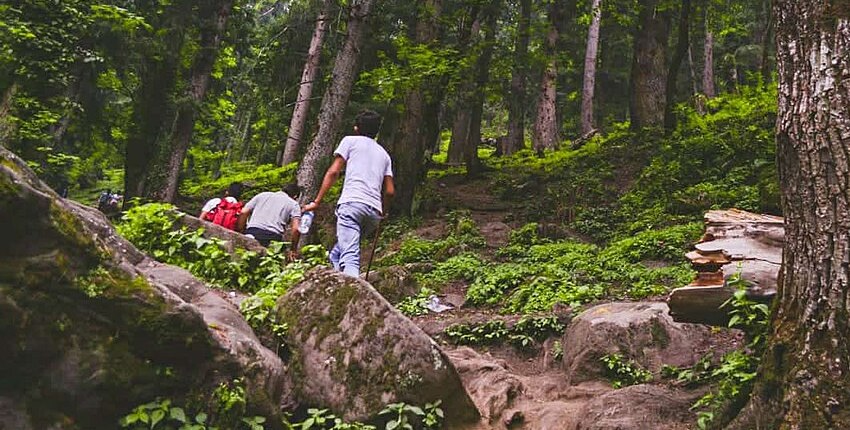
(354, 353)
(90, 327)
(638, 407)
(231, 240)
(643, 332)
(394, 282)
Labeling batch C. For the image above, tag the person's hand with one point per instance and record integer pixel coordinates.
(292, 255)
(310, 206)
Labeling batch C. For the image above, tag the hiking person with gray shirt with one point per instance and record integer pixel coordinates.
(270, 212)
(366, 190)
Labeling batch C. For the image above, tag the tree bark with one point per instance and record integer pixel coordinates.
(334, 101)
(184, 123)
(765, 46)
(803, 381)
(648, 95)
(682, 47)
(411, 138)
(545, 134)
(482, 72)
(305, 90)
(517, 97)
(7, 126)
(463, 100)
(589, 82)
(708, 66)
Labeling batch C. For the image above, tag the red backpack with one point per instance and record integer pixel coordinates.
(226, 214)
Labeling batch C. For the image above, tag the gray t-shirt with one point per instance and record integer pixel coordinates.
(272, 211)
(366, 165)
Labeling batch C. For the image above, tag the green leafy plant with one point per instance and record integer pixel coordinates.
(623, 372)
(416, 305)
(404, 416)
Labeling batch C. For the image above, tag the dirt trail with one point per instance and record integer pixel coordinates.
(512, 389)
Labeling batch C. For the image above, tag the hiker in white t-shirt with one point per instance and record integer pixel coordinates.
(231, 194)
(366, 190)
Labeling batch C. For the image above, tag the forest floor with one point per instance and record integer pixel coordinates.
(528, 387)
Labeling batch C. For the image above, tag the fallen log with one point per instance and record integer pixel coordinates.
(735, 242)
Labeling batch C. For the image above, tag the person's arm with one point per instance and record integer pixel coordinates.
(389, 192)
(243, 219)
(203, 215)
(330, 178)
(294, 237)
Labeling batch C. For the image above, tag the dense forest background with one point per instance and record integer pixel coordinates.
(171, 100)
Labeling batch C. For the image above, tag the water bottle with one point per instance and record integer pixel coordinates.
(306, 220)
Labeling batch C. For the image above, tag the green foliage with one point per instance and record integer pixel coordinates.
(265, 177)
(162, 415)
(666, 244)
(321, 419)
(151, 228)
(737, 370)
(526, 333)
(623, 372)
(404, 416)
(462, 236)
(464, 267)
(416, 305)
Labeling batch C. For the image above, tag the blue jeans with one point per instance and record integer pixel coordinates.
(353, 221)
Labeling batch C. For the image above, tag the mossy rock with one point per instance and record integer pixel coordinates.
(90, 327)
(354, 353)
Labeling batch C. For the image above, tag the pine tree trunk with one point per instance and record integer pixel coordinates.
(765, 46)
(648, 96)
(708, 66)
(682, 47)
(517, 98)
(334, 101)
(184, 123)
(545, 135)
(589, 82)
(803, 381)
(305, 90)
(410, 141)
(460, 134)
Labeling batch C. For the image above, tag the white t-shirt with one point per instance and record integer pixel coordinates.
(272, 211)
(366, 165)
(213, 203)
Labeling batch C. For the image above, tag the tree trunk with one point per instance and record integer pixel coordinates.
(765, 46)
(482, 72)
(803, 381)
(184, 123)
(7, 126)
(698, 101)
(463, 100)
(411, 138)
(334, 101)
(545, 134)
(517, 98)
(682, 47)
(305, 91)
(708, 66)
(648, 95)
(589, 83)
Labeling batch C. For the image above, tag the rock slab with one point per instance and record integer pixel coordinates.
(641, 331)
(354, 353)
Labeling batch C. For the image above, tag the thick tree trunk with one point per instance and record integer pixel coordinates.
(682, 47)
(184, 124)
(463, 100)
(7, 126)
(804, 377)
(411, 138)
(708, 66)
(305, 91)
(517, 97)
(545, 135)
(589, 82)
(648, 96)
(334, 101)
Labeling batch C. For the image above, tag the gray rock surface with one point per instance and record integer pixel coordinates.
(394, 282)
(354, 353)
(641, 331)
(638, 407)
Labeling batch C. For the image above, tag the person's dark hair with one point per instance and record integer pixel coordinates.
(235, 190)
(292, 190)
(368, 123)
